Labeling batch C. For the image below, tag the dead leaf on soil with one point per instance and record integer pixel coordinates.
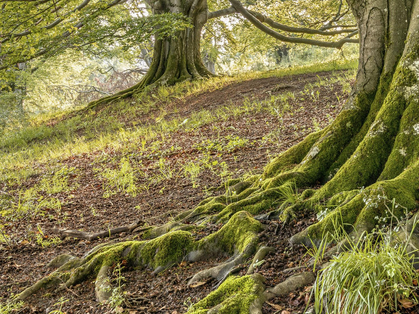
(118, 309)
(198, 284)
(275, 306)
(406, 303)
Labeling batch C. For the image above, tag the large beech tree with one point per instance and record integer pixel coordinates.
(366, 157)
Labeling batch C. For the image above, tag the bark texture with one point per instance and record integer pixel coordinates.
(178, 58)
(373, 142)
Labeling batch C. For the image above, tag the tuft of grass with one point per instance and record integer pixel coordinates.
(120, 180)
(376, 274)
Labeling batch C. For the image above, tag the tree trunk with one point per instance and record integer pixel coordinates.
(178, 58)
(374, 142)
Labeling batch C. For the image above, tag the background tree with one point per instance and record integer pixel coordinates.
(33, 29)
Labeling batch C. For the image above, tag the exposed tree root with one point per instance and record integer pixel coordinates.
(290, 285)
(235, 295)
(259, 256)
(237, 238)
(366, 161)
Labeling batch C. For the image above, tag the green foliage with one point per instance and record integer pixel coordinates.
(58, 181)
(42, 29)
(226, 144)
(118, 295)
(29, 202)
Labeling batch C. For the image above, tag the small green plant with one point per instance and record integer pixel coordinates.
(120, 180)
(57, 182)
(227, 144)
(117, 297)
(45, 241)
(165, 171)
(288, 192)
(4, 238)
(192, 169)
(10, 306)
(316, 125)
(60, 303)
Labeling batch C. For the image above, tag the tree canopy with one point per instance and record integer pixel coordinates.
(43, 28)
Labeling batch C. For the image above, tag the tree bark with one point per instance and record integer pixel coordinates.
(374, 142)
(178, 58)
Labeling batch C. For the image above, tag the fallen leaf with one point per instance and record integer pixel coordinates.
(275, 306)
(406, 303)
(285, 312)
(118, 309)
(198, 284)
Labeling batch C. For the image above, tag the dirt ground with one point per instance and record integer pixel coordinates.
(23, 262)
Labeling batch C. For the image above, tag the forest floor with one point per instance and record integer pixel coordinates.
(172, 173)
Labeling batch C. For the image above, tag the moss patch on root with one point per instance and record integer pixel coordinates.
(235, 296)
(235, 236)
(167, 249)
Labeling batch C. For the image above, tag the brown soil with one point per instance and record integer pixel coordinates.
(23, 261)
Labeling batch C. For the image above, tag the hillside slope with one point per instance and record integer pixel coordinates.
(141, 162)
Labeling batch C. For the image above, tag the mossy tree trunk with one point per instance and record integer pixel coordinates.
(374, 142)
(178, 58)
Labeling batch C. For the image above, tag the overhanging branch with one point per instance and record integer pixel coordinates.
(57, 21)
(264, 19)
(255, 21)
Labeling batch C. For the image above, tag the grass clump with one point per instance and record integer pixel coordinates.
(120, 180)
(376, 274)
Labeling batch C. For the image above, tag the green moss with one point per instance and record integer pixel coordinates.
(166, 249)
(291, 157)
(234, 296)
(235, 236)
(155, 232)
(360, 210)
(376, 105)
(334, 139)
(342, 198)
(406, 147)
(307, 194)
(368, 161)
